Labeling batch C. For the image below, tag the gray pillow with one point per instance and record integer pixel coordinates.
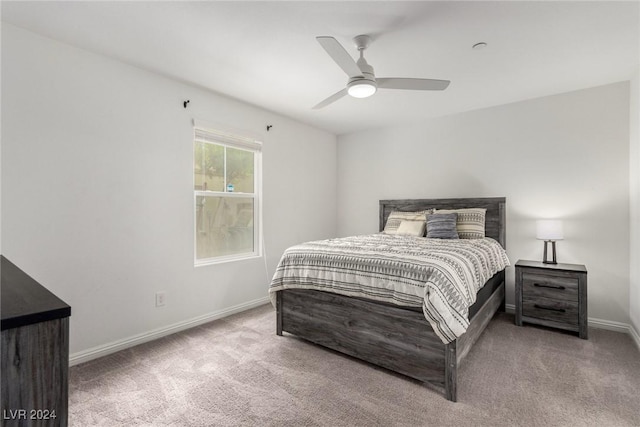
(442, 226)
(470, 222)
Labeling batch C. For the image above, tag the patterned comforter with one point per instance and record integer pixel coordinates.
(442, 276)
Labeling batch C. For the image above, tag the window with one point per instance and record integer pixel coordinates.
(226, 172)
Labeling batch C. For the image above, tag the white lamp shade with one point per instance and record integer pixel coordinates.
(549, 229)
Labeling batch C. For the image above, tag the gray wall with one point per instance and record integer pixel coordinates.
(97, 201)
(97, 189)
(634, 165)
(563, 156)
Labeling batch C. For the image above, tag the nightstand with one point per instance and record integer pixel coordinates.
(553, 295)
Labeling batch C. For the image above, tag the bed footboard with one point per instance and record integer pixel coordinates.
(396, 338)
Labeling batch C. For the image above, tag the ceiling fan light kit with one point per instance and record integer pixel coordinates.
(362, 81)
(361, 88)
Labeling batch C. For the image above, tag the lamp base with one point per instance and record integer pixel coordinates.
(553, 250)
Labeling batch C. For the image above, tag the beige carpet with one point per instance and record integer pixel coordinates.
(236, 371)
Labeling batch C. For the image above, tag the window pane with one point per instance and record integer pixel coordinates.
(224, 226)
(208, 166)
(240, 170)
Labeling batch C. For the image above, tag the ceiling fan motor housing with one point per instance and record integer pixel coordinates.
(365, 85)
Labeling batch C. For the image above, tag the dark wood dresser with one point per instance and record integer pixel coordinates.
(553, 295)
(35, 352)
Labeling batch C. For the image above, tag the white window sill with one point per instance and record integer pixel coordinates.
(226, 259)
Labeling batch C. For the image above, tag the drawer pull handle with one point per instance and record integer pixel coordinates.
(546, 307)
(542, 285)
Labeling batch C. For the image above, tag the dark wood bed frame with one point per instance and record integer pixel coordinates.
(390, 336)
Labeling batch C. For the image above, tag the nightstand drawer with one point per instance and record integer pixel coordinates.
(551, 309)
(536, 286)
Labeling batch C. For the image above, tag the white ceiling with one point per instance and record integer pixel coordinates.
(265, 53)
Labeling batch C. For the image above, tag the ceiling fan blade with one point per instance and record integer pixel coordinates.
(411, 84)
(339, 55)
(331, 99)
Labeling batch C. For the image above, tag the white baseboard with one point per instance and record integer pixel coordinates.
(103, 350)
(634, 335)
(601, 324)
(609, 325)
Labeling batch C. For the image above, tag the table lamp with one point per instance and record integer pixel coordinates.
(549, 230)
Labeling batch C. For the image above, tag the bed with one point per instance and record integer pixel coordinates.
(389, 335)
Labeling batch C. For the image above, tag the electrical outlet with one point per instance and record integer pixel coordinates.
(161, 298)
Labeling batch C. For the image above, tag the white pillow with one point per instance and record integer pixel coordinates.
(411, 228)
(396, 217)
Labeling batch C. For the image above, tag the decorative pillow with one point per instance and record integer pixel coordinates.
(411, 228)
(396, 217)
(470, 222)
(442, 226)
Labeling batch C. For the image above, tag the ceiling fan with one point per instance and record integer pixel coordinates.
(362, 81)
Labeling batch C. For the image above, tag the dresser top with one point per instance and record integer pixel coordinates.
(560, 267)
(25, 301)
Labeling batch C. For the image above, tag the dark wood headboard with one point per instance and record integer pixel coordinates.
(495, 221)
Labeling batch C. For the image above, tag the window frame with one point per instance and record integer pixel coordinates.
(238, 142)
